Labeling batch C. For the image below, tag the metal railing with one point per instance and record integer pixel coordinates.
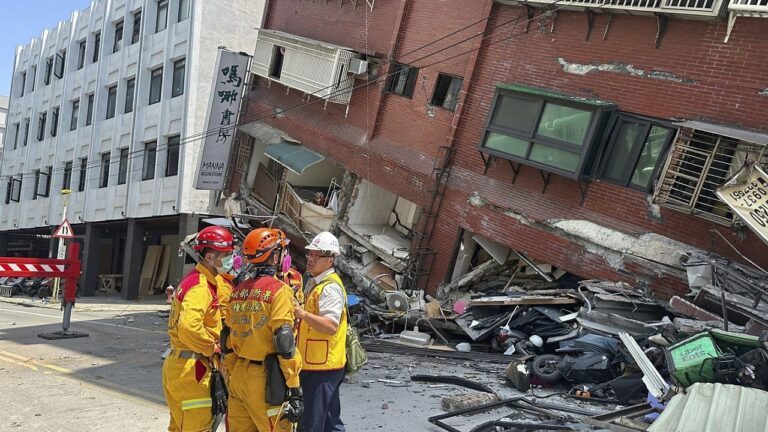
(711, 8)
(749, 7)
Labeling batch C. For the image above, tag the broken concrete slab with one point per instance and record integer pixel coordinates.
(684, 307)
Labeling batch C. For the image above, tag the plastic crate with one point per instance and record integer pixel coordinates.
(692, 360)
(6, 290)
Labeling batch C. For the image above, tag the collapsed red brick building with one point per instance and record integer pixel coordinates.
(584, 135)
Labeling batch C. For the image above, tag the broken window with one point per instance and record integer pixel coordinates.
(634, 151)
(550, 131)
(446, 93)
(402, 80)
(699, 162)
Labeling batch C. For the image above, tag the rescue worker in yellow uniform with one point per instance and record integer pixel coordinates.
(322, 337)
(193, 326)
(260, 314)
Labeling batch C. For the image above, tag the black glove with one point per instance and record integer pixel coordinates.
(295, 407)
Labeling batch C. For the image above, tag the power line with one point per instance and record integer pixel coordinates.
(338, 92)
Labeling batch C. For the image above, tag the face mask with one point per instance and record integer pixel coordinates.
(226, 264)
(286, 264)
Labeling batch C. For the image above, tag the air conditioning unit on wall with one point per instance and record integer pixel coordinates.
(357, 66)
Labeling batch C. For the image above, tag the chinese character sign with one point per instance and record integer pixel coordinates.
(228, 85)
(746, 193)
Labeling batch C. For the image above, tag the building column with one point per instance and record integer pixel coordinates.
(188, 224)
(3, 243)
(90, 263)
(133, 260)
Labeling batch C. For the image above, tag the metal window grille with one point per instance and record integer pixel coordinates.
(697, 165)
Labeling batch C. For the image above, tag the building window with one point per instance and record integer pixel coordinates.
(698, 163)
(83, 172)
(41, 125)
(402, 80)
(155, 85)
(17, 126)
(136, 30)
(26, 131)
(14, 189)
(23, 83)
(162, 16)
(172, 158)
(178, 78)
(104, 177)
(37, 184)
(43, 183)
(96, 47)
(81, 54)
(48, 70)
(634, 151)
(550, 131)
(66, 182)
(276, 67)
(122, 168)
(61, 58)
(118, 36)
(150, 156)
(33, 70)
(183, 10)
(75, 114)
(54, 121)
(89, 111)
(111, 101)
(446, 94)
(130, 90)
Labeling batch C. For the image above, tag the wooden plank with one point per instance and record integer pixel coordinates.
(162, 270)
(523, 300)
(151, 260)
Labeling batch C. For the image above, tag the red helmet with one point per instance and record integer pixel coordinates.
(216, 238)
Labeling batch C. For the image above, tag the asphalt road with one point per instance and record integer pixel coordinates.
(112, 379)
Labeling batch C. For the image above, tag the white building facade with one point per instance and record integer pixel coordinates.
(3, 121)
(110, 105)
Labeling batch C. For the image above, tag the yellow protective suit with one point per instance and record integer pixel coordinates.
(224, 285)
(193, 325)
(256, 309)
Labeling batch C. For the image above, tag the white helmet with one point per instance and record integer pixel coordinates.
(326, 243)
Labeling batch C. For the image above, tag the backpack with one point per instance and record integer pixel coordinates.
(356, 356)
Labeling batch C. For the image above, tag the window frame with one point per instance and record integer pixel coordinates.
(117, 43)
(411, 77)
(81, 51)
(600, 114)
(66, 180)
(96, 46)
(182, 77)
(152, 82)
(59, 64)
(122, 167)
(41, 120)
(104, 170)
(161, 5)
(111, 102)
(36, 184)
(173, 145)
(33, 69)
(27, 122)
(16, 135)
(89, 110)
(15, 192)
(23, 83)
(146, 173)
(183, 12)
(433, 101)
(48, 70)
(136, 29)
(74, 116)
(55, 111)
(130, 95)
(81, 181)
(610, 141)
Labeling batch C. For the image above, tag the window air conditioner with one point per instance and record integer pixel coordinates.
(358, 66)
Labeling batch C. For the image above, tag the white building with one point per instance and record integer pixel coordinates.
(3, 121)
(109, 104)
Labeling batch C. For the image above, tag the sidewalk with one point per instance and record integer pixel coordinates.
(99, 303)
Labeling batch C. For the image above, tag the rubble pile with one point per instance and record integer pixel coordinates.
(631, 359)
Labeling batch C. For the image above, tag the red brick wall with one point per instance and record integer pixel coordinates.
(720, 83)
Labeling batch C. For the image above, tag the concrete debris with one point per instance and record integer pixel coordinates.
(471, 400)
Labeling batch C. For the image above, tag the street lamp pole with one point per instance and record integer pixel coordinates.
(62, 252)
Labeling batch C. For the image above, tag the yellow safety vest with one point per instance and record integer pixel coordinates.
(323, 352)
